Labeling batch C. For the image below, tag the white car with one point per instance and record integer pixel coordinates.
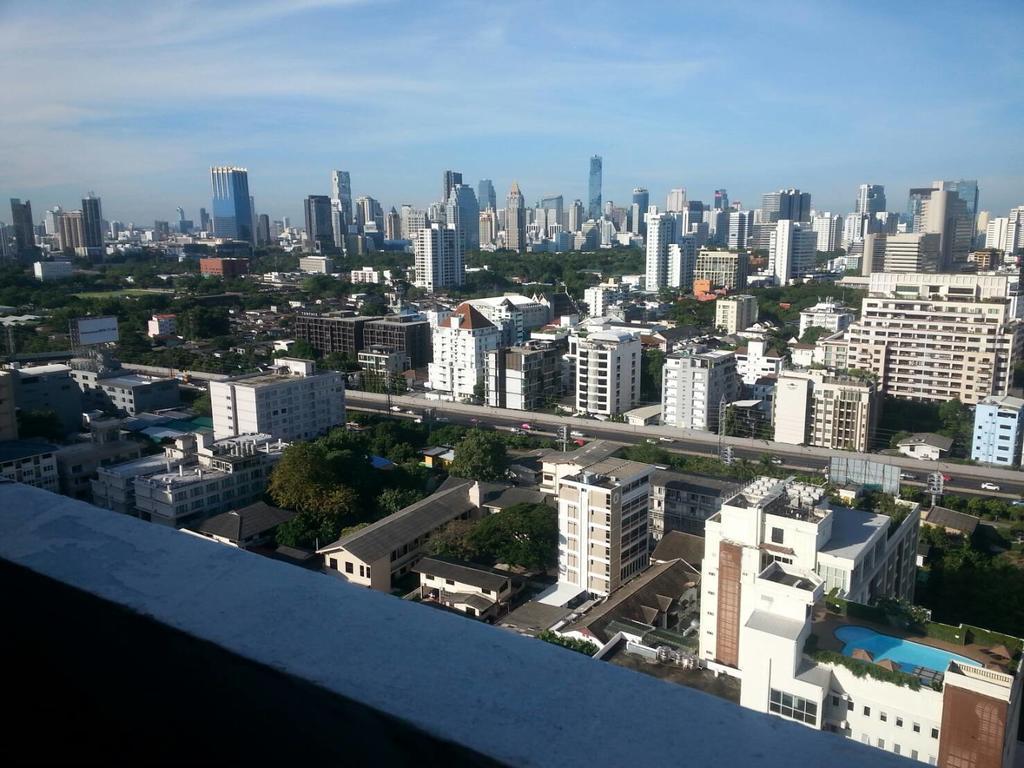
(989, 487)
(667, 439)
(907, 476)
(576, 433)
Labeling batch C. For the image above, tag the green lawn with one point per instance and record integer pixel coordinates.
(121, 292)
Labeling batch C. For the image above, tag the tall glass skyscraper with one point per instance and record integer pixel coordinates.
(485, 195)
(464, 215)
(638, 211)
(594, 189)
(232, 210)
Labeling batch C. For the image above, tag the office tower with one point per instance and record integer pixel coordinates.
(721, 200)
(71, 237)
(450, 180)
(438, 258)
(913, 252)
(598, 355)
(413, 220)
(786, 204)
(319, 233)
(661, 233)
(52, 220)
(232, 212)
(368, 210)
(576, 216)
(937, 337)
(791, 250)
(741, 226)
(915, 204)
(870, 199)
(92, 223)
(695, 382)
(24, 230)
(944, 213)
(392, 225)
(554, 214)
(485, 196)
(966, 190)
(638, 210)
(488, 226)
(597, 559)
(594, 188)
(437, 213)
(181, 214)
(515, 219)
(676, 200)
(263, 230)
(829, 230)
(204, 220)
(464, 215)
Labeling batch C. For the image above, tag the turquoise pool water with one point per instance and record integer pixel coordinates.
(906, 654)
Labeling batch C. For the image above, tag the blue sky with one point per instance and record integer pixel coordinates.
(136, 100)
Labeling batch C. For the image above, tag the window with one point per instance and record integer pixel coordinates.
(777, 535)
(881, 743)
(896, 748)
(849, 706)
(348, 567)
(883, 717)
(899, 722)
(935, 733)
(913, 754)
(867, 711)
(917, 727)
(835, 701)
(449, 582)
(793, 707)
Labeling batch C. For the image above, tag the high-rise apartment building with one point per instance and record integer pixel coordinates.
(912, 252)
(937, 337)
(464, 216)
(413, 220)
(594, 207)
(741, 228)
(696, 384)
(24, 230)
(524, 377)
(450, 180)
(515, 218)
(460, 344)
(369, 211)
(319, 230)
(71, 237)
(735, 313)
(342, 215)
(232, 208)
(829, 231)
(293, 403)
(576, 216)
(662, 231)
(828, 315)
(485, 195)
(438, 258)
(676, 200)
(603, 525)
(998, 431)
(870, 199)
(488, 226)
(393, 225)
(722, 269)
(607, 371)
(786, 204)
(791, 251)
(825, 410)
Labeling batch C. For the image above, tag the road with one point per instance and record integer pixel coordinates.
(966, 478)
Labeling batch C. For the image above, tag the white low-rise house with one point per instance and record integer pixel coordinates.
(827, 314)
(466, 588)
(771, 555)
(757, 360)
(998, 431)
(292, 403)
(461, 342)
(926, 446)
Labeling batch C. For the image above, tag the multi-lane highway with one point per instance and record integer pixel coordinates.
(965, 480)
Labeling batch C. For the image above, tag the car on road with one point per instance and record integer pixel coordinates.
(442, 419)
(525, 426)
(667, 439)
(576, 433)
(989, 487)
(1017, 503)
(908, 476)
(579, 442)
(396, 409)
(651, 441)
(777, 461)
(947, 478)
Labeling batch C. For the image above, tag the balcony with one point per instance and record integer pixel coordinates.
(136, 643)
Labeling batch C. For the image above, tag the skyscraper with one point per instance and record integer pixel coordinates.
(791, 250)
(945, 213)
(341, 205)
(515, 218)
(594, 188)
(438, 258)
(319, 233)
(52, 220)
(24, 232)
(464, 215)
(204, 220)
(451, 178)
(721, 200)
(576, 216)
(485, 196)
(92, 225)
(392, 225)
(263, 229)
(366, 210)
(232, 211)
(661, 233)
(676, 200)
(870, 199)
(553, 208)
(786, 204)
(638, 211)
(966, 190)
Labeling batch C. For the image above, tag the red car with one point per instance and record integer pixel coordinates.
(946, 478)
(526, 426)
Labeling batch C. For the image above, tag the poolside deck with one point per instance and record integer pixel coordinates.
(825, 624)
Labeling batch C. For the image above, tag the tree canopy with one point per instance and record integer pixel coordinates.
(480, 456)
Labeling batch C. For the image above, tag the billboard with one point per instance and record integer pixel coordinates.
(873, 475)
(93, 330)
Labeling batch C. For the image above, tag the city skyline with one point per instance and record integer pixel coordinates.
(289, 115)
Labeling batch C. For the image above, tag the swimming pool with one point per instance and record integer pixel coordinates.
(906, 654)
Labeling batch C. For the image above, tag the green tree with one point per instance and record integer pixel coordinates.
(480, 456)
(524, 535)
(454, 540)
(44, 424)
(202, 404)
(652, 361)
(306, 479)
(300, 348)
(393, 499)
(203, 323)
(323, 524)
(572, 643)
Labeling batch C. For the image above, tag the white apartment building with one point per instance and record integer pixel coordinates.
(937, 337)
(828, 229)
(998, 431)
(695, 384)
(603, 525)
(30, 462)
(723, 269)
(682, 263)
(438, 258)
(600, 298)
(735, 313)
(210, 477)
(461, 342)
(771, 554)
(365, 275)
(825, 410)
(662, 231)
(607, 362)
(514, 314)
(162, 325)
(826, 314)
(321, 265)
(791, 251)
(294, 403)
(756, 360)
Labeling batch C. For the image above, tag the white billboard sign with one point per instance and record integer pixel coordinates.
(93, 330)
